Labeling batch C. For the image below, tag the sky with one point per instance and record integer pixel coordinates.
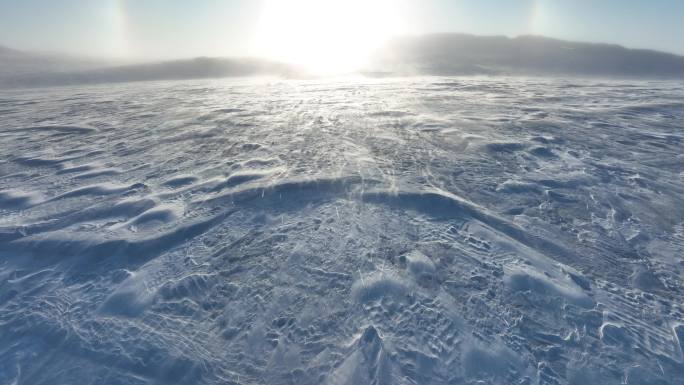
(292, 29)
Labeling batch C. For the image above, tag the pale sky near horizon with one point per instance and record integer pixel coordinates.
(162, 29)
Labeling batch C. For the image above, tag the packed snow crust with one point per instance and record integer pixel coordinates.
(389, 231)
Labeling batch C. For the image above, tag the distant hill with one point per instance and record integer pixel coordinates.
(16, 64)
(197, 68)
(7, 51)
(459, 54)
(439, 54)
(20, 69)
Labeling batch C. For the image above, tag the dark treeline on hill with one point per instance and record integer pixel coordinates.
(439, 54)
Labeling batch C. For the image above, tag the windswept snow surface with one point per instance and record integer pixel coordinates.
(413, 231)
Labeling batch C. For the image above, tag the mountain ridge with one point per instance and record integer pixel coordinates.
(454, 54)
(451, 54)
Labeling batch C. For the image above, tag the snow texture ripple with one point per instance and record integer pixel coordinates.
(395, 231)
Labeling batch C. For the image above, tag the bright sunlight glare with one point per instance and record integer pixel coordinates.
(325, 36)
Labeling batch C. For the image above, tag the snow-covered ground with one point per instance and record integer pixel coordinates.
(411, 231)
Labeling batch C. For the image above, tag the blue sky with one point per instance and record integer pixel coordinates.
(178, 28)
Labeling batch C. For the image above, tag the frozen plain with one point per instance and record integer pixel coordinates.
(389, 231)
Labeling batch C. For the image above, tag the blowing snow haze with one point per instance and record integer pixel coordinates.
(341, 192)
(443, 54)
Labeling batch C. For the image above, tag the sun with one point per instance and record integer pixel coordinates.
(325, 36)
